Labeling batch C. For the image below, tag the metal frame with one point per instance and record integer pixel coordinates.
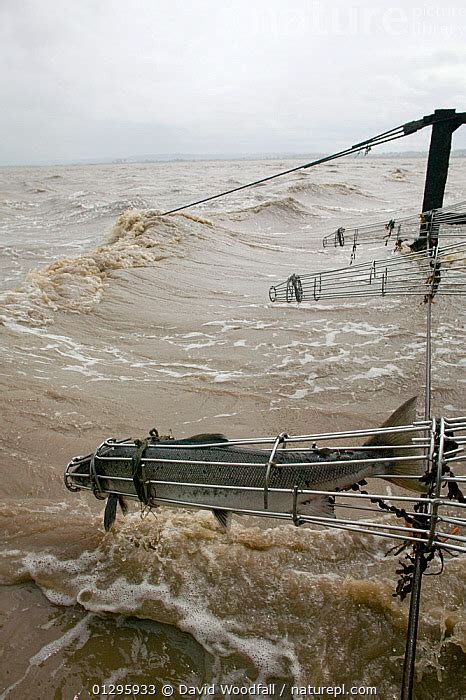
(411, 274)
(425, 441)
(448, 222)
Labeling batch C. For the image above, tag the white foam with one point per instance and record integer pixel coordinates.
(298, 394)
(389, 370)
(206, 344)
(220, 377)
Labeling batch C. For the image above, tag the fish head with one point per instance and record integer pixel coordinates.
(78, 473)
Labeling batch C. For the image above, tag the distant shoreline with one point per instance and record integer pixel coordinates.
(193, 157)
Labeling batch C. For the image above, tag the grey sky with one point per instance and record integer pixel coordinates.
(114, 78)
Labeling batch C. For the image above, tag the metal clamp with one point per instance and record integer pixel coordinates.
(280, 439)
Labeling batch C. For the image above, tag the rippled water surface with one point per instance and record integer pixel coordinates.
(113, 320)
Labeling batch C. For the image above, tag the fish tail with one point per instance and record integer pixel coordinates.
(411, 462)
(110, 511)
(123, 505)
(223, 517)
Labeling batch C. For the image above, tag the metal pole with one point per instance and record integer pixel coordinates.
(428, 389)
(411, 638)
(415, 602)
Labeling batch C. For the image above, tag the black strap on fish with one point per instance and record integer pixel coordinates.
(139, 480)
(136, 464)
(94, 478)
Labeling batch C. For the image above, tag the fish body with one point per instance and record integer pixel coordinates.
(222, 476)
(206, 471)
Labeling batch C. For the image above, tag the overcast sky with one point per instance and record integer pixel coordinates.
(84, 79)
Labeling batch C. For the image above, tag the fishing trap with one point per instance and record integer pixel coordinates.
(447, 223)
(437, 444)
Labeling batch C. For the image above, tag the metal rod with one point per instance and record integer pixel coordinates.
(428, 389)
(411, 638)
(419, 549)
(417, 426)
(387, 136)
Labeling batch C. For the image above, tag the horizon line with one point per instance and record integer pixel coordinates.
(194, 157)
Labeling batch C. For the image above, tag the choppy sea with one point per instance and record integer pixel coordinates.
(115, 319)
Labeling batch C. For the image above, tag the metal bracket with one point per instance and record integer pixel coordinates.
(280, 439)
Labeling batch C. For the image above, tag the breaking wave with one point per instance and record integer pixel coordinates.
(287, 207)
(77, 207)
(327, 189)
(137, 239)
(398, 175)
(84, 211)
